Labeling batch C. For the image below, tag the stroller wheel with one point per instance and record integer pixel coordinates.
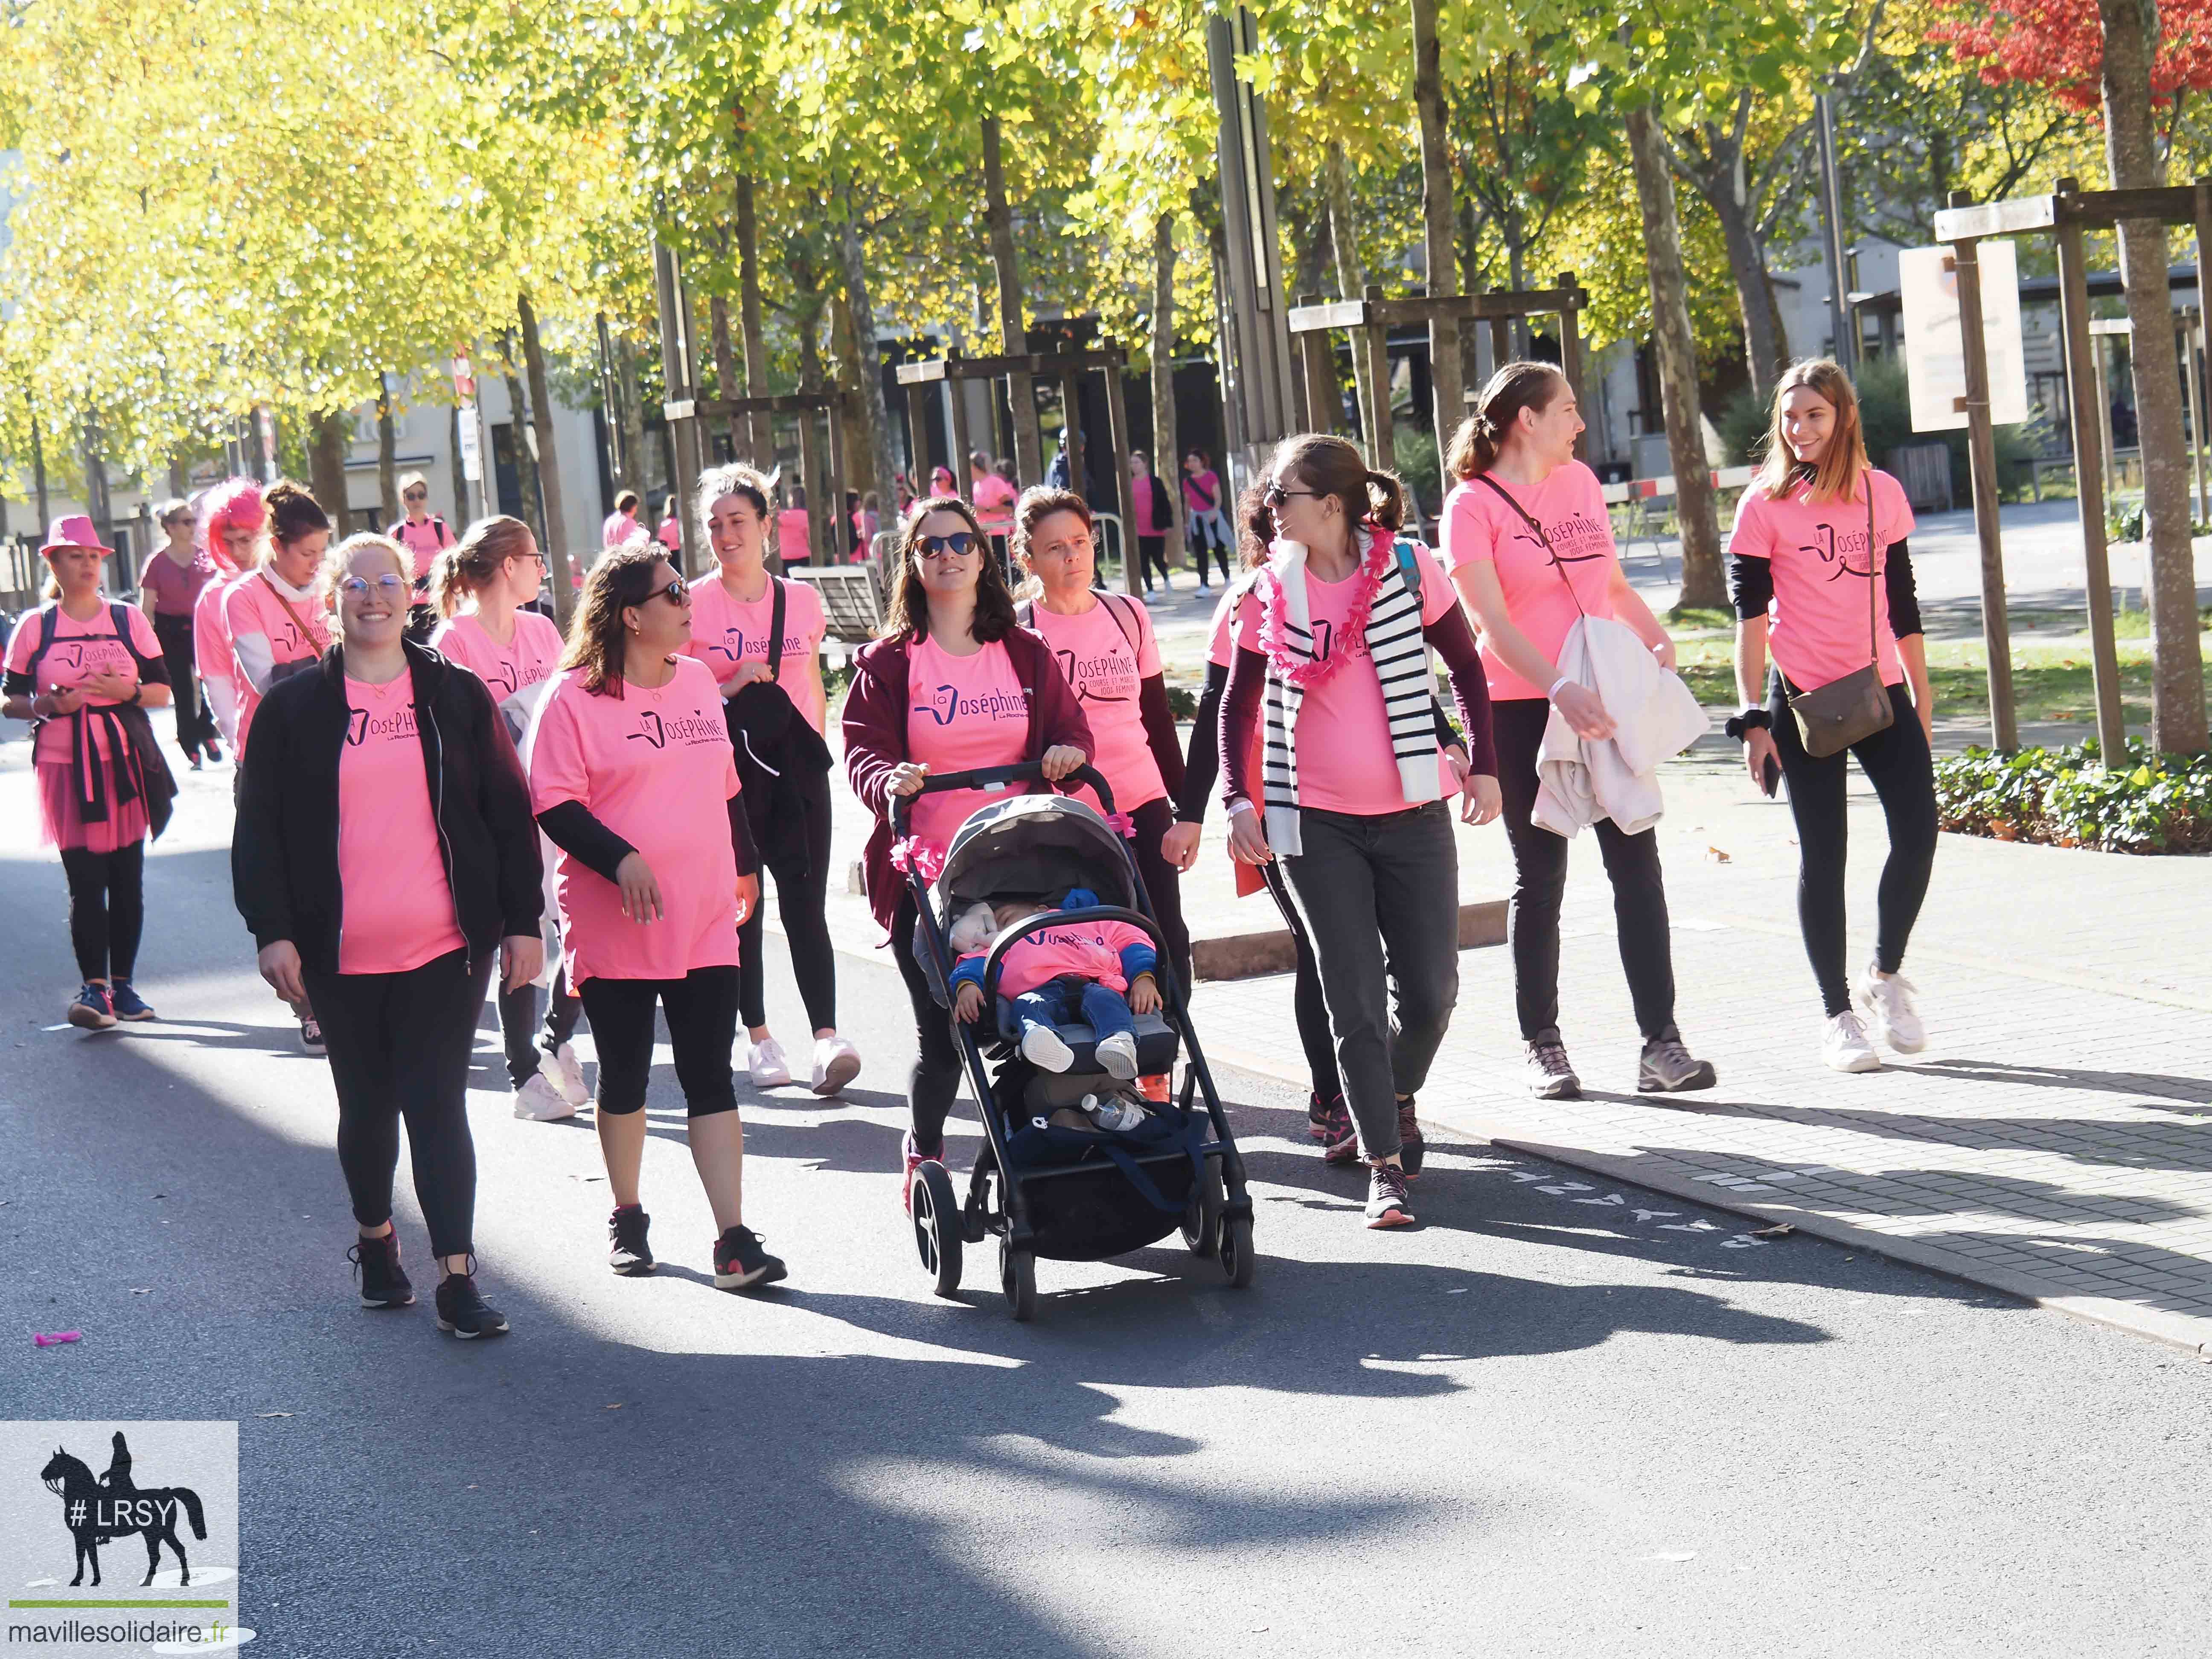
(1018, 1278)
(1202, 1217)
(1236, 1258)
(937, 1226)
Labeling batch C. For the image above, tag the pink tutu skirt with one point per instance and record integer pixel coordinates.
(62, 825)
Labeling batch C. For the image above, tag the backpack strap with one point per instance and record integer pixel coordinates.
(117, 615)
(50, 622)
(1129, 635)
(774, 628)
(1409, 567)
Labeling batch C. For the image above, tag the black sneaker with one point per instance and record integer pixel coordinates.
(740, 1263)
(1550, 1076)
(311, 1035)
(384, 1282)
(627, 1253)
(93, 1010)
(463, 1311)
(129, 1005)
(1410, 1147)
(1388, 1203)
(1667, 1067)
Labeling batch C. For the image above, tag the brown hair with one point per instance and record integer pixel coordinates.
(735, 479)
(1329, 465)
(292, 512)
(339, 559)
(1836, 478)
(626, 502)
(1038, 503)
(473, 561)
(906, 617)
(597, 638)
(1482, 435)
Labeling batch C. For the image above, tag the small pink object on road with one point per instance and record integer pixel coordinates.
(47, 1338)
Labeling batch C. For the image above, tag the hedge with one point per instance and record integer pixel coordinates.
(2067, 798)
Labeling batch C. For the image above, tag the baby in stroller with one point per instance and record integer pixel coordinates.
(1100, 972)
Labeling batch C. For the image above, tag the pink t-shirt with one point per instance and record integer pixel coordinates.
(670, 534)
(654, 766)
(251, 605)
(1088, 949)
(619, 528)
(1817, 626)
(1345, 757)
(724, 631)
(1570, 504)
(792, 531)
(962, 713)
(1201, 491)
(80, 650)
(211, 631)
(424, 540)
(397, 910)
(994, 502)
(516, 673)
(1105, 652)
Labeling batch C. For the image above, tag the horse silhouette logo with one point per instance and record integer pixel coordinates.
(98, 1511)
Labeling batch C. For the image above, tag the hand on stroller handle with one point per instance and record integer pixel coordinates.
(990, 777)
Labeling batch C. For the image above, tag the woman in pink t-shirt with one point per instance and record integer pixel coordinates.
(84, 668)
(425, 535)
(952, 684)
(231, 517)
(276, 627)
(1104, 646)
(631, 774)
(1333, 644)
(482, 586)
(1529, 546)
(670, 533)
(1821, 571)
(384, 859)
(788, 797)
(621, 524)
(1209, 523)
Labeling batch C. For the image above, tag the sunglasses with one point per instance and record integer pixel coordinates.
(677, 591)
(415, 496)
(387, 584)
(957, 546)
(1274, 494)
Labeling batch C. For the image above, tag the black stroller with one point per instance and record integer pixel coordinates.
(1104, 1200)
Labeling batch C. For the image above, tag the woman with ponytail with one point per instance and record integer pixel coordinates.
(1529, 546)
(231, 516)
(1332, 661)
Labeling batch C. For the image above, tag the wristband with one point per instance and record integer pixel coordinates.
(1240, 805)
(1741, 727)
(1552, 696)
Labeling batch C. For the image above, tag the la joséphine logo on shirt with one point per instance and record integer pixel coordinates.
(362, 725)
(685, 730)
(1576, 539)
(735, 647)
(945, 704)
(104, 651)
(1110, 676)
(1835, 547)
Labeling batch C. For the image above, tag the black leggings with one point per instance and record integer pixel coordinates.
(702, 1024)
(1897, 762)
(934, 1082)
(107, 908)
(195, 721)
(1163, 884)
(802, 886)
(399, 1047)
(517, 1024)
(1152, 555)
(1306, 1001)
(1539, 880)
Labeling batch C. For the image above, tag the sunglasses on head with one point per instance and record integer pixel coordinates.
(957, 546)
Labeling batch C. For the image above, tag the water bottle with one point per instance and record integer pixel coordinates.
(1113, 1113)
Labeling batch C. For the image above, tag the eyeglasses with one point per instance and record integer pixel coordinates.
(1274, 494)
(677, 591)
(415, 496)
(386, 585)
(957, 546)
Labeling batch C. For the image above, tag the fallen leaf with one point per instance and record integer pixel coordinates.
(1717, 856)
(1779, 1230)
(617, 1407)
(272, 1414)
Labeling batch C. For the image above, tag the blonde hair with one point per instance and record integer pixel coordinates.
(1836, 479)
(473, 561)
(408, 481)
(338, 562)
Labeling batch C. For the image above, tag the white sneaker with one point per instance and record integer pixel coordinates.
(766, 1065)
(1042, 1049)
(1846, 1046)
(837, 1063)
(565, 1073)
(1888, 1005)
(539, 1102)
(1118, 1055)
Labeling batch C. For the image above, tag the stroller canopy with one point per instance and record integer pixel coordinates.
(1042, 844)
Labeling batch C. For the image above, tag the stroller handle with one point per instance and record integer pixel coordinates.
(986, 777)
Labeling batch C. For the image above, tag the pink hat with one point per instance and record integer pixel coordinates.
(74, 530)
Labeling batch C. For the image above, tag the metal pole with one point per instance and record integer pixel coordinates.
(2089, 476)
(1261, 341)
(1982, 456)
(1832, 232)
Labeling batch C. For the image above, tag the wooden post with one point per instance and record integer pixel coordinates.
(809, 480)
(1125, 490)
(1318, 374)
(1376, 339)
(957, 428)
(1501, 343)
(1982, 465)
(839, 525)
(917, 426)
(2086, 404)
(679, 393)
(1071, 403)
(2101, 356)
(1570, 349)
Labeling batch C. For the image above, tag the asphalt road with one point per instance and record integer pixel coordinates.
(1558, 1419)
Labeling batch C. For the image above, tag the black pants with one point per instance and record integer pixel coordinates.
(802, 887)
(1897, 762)
(517, 1024)
(195, 722)
(1152, 553)
(1307, 1003)
(399, 1047)
(1162, 884)
(107, 908)
(934, 1082)
(702, 1024)
(1540, 879)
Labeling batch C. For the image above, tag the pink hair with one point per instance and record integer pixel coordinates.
(233, 504)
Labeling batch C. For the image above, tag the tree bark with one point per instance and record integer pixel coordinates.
(525, 464)
(39, 475)
(555, 542)
(326, 459)
(95, 485)
(760, 442)
(728, 384)
(180, 481)
(1351, 275)
(1014, 334)
(1167, 465)
(1449, 386)
(633, 416)
(2131, 154)
(1703, 586)
(882, 473)
(387, 458)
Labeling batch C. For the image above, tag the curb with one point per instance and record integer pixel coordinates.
(1248, 955)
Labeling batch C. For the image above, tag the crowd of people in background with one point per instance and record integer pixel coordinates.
(440, 797)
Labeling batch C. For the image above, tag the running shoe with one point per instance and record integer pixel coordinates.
(1327, 1122)
(766, 1065)
(1550, 1076)
(1117, 1056)
(539, 1102)
(916, 1157)
(1411, 1149)
(1885, 1000)
(1042, 1049)
(129, 1005)
(194, 760)
(1845, 1046)
(740, 1264)
(93, 1009)
(462, 1310)
(561, 1067)
(215, 752)
(384, 1282)
(627, 1253)
(311, 1035)
(837, 1063)
(1388, 1203)
(1666, 1067)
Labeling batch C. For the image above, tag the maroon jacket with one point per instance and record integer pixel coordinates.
(875, 711)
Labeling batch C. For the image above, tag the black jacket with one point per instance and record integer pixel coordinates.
(284, 853)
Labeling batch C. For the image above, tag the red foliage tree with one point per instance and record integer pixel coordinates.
(2058, 45)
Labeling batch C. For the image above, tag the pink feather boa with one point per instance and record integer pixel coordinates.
(916, 856)
(1294, 667)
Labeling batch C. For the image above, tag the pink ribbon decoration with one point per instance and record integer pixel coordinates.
(913, 855)
(47, 1340)
(1123, 825)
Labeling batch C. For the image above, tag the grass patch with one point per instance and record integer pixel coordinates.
(1688, 616)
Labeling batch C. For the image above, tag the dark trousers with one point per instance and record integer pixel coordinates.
(1307, 1005)
(1061, 1001)
(934, 1082)
(195, 723)
(517, 1024)
(107, 907)
(1162, 882)
(1380, 897)
(1204, 533)
(1152, 555)
(1897, 762)
(702, 1024)
(802, 887)
(399, 1047)
(1540, 879)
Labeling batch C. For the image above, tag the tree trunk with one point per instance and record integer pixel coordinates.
(810, 448)
(464, 507)
(1013, 334)
(180, 479)
(555, 542)
(387, 458)
(854, 462)
(633, 416)
(1450, 402)
(882, 473)
(1167, 467)
(2177, 706)
(1754, 297)
(95, 485)
(39, 475)
(326, 469)
(525, 464)
(727, 382)
(1351, 275)
(760, 442)
(1703, 586)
